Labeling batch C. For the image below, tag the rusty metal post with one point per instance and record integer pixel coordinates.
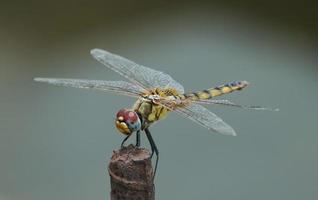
(130, 173)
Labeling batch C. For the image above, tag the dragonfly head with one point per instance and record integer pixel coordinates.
(127, 121)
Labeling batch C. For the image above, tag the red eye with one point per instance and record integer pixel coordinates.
(131, 116)
(121, 113)
(127, 115)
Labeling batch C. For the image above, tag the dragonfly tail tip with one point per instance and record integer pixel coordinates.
(245, 83)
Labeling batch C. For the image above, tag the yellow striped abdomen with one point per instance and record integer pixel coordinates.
(216, 91)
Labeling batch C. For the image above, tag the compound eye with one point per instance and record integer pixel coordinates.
(125, 115)
(121, 114)
(130, 116)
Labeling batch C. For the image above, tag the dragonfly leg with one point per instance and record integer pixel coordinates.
(123, 142)
(138, 139)
(154, 149)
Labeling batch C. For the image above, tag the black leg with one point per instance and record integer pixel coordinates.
(126, 138)
(138, 139)
(154, 149)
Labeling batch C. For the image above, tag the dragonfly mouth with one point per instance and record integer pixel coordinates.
(122, 127)
(120, 119)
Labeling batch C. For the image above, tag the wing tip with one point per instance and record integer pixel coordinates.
(228, 131)
(231, 133)
(96, 52)
(38, 79)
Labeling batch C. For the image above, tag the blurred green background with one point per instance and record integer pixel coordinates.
(55, 142)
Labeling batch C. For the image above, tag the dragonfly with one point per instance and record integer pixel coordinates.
(157, 94)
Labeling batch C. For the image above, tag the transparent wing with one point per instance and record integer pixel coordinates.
(120, 87)
(224, 102)
(137, 74)
(205, 118)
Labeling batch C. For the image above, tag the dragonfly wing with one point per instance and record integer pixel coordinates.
(224, 102)
(137, 74)
(206, 118)
(120, 87)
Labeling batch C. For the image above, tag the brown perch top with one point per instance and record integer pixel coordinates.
(131, 174)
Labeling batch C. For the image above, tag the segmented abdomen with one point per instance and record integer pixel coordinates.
(216, 91)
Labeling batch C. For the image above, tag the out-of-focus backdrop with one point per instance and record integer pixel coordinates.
(55, 142)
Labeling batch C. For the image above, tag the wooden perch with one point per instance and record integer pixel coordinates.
(131, 173)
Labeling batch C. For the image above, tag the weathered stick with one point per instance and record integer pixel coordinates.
(130, 173)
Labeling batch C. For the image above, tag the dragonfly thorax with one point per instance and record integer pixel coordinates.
(154, 97)
(149, 111)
